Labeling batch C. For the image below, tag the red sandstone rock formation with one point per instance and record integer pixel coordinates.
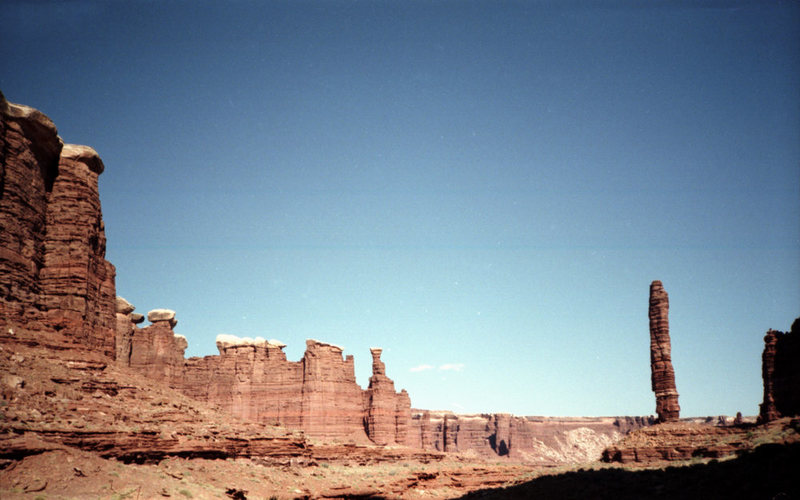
(30, 149)
(663, 375)
(57, 288)
(252, 378)
(780, 369)
(388, 413)
(543, 440)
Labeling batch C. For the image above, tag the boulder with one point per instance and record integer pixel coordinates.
(157, 315)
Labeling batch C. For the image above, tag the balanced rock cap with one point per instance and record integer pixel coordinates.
(137, 318)
(161, 315)
(123, 306)
(84, 154)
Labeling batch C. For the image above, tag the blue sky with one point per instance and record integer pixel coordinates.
(484, 189)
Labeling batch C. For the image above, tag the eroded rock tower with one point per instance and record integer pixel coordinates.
(662, 373)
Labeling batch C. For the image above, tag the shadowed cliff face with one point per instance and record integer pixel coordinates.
(780, 369)
(662, 373)
(57, 288)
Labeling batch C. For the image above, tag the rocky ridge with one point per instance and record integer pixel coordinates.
(687, 440)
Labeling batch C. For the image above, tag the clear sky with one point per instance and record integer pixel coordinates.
(484, 189)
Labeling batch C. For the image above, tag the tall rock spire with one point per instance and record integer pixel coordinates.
(663, 375)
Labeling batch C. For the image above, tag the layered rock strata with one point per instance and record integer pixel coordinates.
(691, 439)
(662, 372)
(542, 440)
(57, 288)
(780, 369)
(252, 379)
(57, 291)
(388, 412)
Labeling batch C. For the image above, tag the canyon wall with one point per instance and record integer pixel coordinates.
(541, 440)
(57, 289)
(662, 372)
(252, 378)
(780, 369)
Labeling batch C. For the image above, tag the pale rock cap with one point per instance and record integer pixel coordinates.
(162, 315)
(310, 342)
(123, 306)
(225, 340)
(180, 341)
(84, 154)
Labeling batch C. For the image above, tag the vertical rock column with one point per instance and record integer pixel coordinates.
(332, 401)
(663, 375)
(380, 419)
(768, 412)
(156, 350)
(780, 368)
(77, 281)
(126, 326)
(402, 416)
(29, 155)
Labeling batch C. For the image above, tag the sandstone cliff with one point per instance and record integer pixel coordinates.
(542, 440)
(252, 379)
(57, 291)
(780, 370)
(663, 375)
(57, 288)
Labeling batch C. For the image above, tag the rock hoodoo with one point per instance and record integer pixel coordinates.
(57, 288)
(780, 369)
(388, 413)
(662, 373)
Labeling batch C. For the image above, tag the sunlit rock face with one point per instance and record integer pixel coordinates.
(780, 369)
(662, 372)
(57, 288)
(388, 412)
(252, 378)
(541, 440)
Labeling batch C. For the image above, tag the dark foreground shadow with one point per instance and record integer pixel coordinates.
(769, 472)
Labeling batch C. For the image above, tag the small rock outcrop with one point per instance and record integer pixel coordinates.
(780, 369)
(662, 372)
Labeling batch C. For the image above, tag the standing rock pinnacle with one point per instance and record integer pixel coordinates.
(663, 375)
